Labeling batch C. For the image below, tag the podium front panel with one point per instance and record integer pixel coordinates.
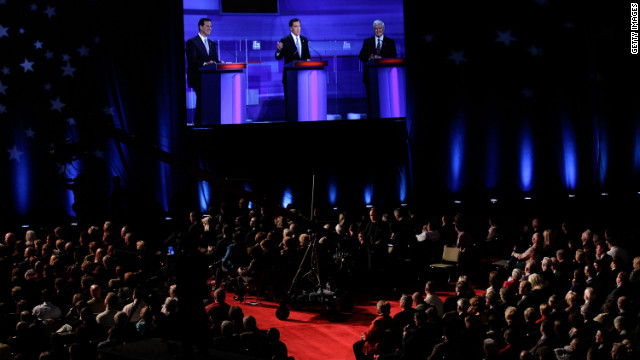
(312, 95)
(224, 94)
(387, 89)
(306, 91)
(391, 92)
(233, 97)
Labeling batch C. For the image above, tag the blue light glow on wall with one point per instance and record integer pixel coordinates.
(603, 155)
(526, 158)
(287, 198)
(456, 151)
(569, 157)
(22, 181)
(203, 195)
(247, 187)
(333, 191)
(71, 171)
(402, 183)
(492, 164)
(368, 193)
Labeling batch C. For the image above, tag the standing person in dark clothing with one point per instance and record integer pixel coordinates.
(448, 233)
(200, 52)
(196, 229)
(376, 234)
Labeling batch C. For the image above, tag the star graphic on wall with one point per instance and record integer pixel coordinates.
(38, 44)
(505, 37)
(65, 57)
(4, 31)
(6, 70)
(62, 168)
(27, 65)
(527, 93)
(457, 56)
(428, 38)
(30, 133)
(71, 122)
(98, 154)
(3, 109)
(83, 51)
(57, 104)
(47, 86)
(33, 7)
(67, 70)
(534, 51)
(21, 31)
(108, 110)
(3, 88)
(15, 154)
(48, 54)
(51, 11)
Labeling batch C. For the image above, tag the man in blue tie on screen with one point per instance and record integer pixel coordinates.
(292, 47)
(200, 52)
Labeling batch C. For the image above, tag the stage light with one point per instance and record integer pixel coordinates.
(74, 224)
(457, 201)
(526, 158)
(333, 191)
(335, 208)
(570, 155)
(527, 197)
(168, 218)
(493, 201)
(369, 205)
(287, 197)
(572, 195)
(604, 194)
(403, 204)
(204, 195)
(456, 153)
(25, 226)
(402, 184)
(368, 193)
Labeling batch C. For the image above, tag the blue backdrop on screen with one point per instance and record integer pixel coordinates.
(335, 29)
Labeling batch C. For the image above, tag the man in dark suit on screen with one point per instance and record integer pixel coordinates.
(292, 47)
(200, 52)
(377, 46)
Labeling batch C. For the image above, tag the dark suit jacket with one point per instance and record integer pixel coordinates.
(289, 51)
(547, 341)
(196, 57)
(387, 50)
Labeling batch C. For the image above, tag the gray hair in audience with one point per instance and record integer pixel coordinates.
(226, 328)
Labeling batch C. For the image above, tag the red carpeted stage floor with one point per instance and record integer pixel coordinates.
(310, 336)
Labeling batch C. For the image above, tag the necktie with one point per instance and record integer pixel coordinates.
(206, 45)
(298, 47)
(378, 47)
